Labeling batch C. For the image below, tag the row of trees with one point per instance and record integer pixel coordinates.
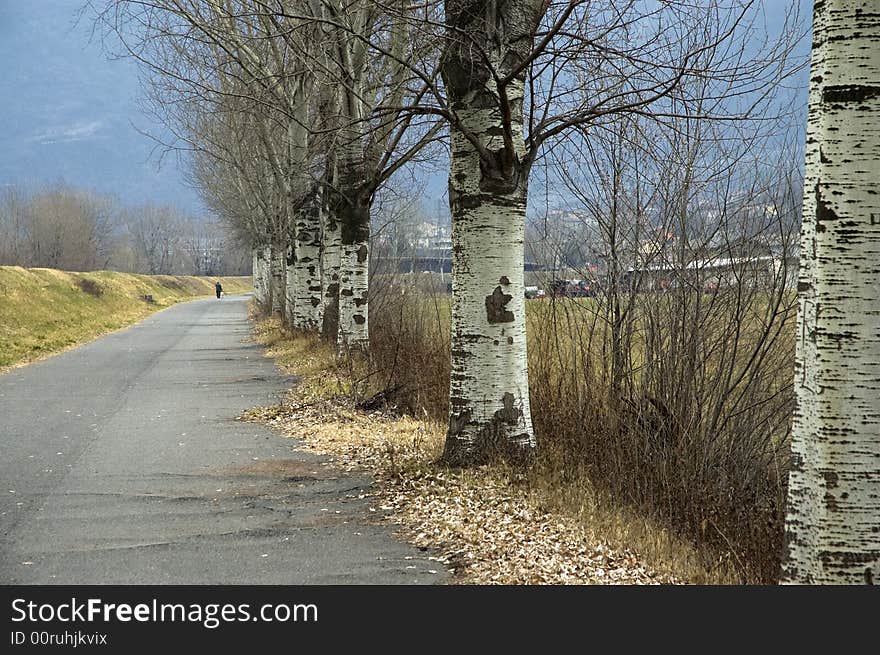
(68, 229)
(298, 112)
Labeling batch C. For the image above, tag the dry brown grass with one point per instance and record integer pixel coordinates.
(683, 431)
(491, 524)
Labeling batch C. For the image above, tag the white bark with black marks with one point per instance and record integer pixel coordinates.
(353, 296)
(259, 276)
(277, 277)
(306, 269)
(331, 259)
(290, 283)
(489, 411)
(262, 277)
(489, 388)
(833, 518)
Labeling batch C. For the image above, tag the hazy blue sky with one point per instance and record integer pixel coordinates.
(67, 111)
(69, 114)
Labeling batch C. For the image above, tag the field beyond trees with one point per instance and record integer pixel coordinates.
(44, 311)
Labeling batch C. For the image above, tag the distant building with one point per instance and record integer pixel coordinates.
(751, 262)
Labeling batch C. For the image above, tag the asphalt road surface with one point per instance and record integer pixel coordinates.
(122, 464)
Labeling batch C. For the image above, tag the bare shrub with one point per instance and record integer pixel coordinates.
(409, 348)
(670, 388)
(91, 287)
(695, 437)
(696, 433)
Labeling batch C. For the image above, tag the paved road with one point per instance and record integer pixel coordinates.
(122, 463)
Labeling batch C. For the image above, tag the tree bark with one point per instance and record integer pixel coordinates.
(262, 286)
(290, 282)
(303, 203)
(355, 193)
(833, 517)
(489, 412)
(331, 258)
(277, 276)
(354, 269)
(306, 269)
(258, 275)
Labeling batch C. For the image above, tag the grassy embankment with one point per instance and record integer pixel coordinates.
(44, 311)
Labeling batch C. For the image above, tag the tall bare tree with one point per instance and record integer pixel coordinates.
(369, 134)
(284, 57)
(518, 76)
(156, 237)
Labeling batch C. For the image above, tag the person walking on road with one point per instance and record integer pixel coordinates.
(218, 288)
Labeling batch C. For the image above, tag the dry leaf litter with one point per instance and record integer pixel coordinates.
(478, 523)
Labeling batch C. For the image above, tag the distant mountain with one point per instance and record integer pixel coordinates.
(67, 112)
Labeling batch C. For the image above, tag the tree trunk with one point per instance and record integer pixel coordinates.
(489, 412)
(303, 211)
(355, 197)
(306, 271)
(262, 287)
(277, 277)
(331, 258)
(833, 519)
(258, 276)
(290, 282)
(354, 271)
(267, 279)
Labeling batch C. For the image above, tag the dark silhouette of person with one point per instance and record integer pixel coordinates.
(218, 288)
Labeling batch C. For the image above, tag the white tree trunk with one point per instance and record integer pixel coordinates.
(331, 260)
(277, 277)
(833, 518)
(261, 278)
(353, 292)
(306, 273)
(489, 387)
(267, 278)
(353, 214)
(290, 283)
(255, 277)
